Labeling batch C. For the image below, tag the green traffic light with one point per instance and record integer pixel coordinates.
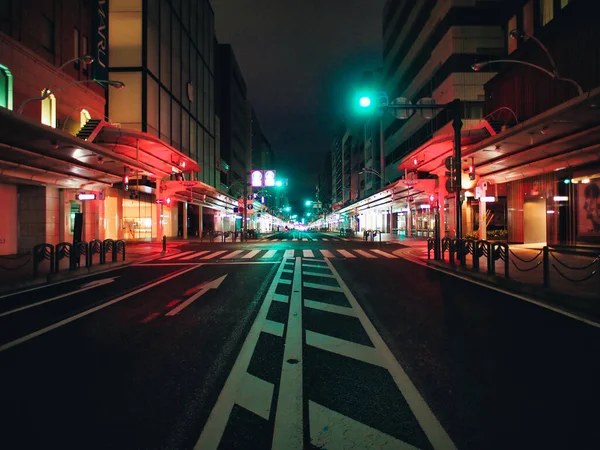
(278, 183)
(365, 102)
(308, 202)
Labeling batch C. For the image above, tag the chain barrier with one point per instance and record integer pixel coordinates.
(572, 280)
(527, 261)
(574, 268)
(9, 269)
(529, 269)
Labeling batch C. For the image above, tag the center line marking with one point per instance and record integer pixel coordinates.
(288, 430)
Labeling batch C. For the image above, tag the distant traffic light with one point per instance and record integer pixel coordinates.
(471, 172)
(126, 182)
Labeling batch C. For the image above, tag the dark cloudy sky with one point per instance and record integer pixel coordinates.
(300, 59)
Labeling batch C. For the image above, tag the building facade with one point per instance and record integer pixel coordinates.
(133, 163)
(232, 102)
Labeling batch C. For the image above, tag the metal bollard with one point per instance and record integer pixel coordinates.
(546, 266)
(164, 244)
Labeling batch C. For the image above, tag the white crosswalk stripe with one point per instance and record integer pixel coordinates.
(386, 254)
(327, 254)
(269, 254)
(346, 253)
(178, 255)
(308, 254)
(212, 255)
(288, 254)
(233, 254)
(325, 239)
(365, 254)
(252, 254)
(194, 255)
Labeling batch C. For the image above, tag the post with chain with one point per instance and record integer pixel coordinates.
(457, 125)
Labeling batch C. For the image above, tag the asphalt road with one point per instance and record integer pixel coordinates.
(315, 342)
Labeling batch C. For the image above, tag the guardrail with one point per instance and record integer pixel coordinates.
(458, 249)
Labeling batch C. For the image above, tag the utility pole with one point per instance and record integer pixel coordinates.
(381, 152)
(245, 215)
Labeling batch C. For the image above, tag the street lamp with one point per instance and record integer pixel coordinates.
(85, 59)
(368, 170)
(516, 34)
(308, 202)
(46, 92)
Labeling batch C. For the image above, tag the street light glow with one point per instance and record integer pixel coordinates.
(278, 183)
(308, 202)
(365, 102)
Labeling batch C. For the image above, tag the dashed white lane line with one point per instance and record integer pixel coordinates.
(288, 430)
(215, 254)
(345, 348)
(334, 431)
(255, 395)
(329, 308)
(288, 254)
(232, 254)
(386, 254)
(269, 254)
(308, 254)
(327, 254)
(365, 254)
(194, 255)
(177, 255)
(251, 254)
(437, 436)
(217, 421)
(346, 254)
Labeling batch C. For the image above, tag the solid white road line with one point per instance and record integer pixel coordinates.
(212, 255)
(434, 431)
(346, 254)
(92, 310)
(269, 254)
(308, 254)
(288, 254)
(177, 255)
(274, 328)
(232, 254)
(323, 287)
(251, 254)
(194, 255)
(365, 254)
(219, 416)
(255, 395)
(329, 308)
(317, 274)
(327, 254)
(345, 348)
(386, 254)
(288, 430)
(58, 297)
(334, 431)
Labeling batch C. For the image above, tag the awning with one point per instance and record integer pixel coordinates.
(567, 135)
(31, 152)
(145, 148)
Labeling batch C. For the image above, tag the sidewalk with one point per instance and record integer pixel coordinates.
(574, 276)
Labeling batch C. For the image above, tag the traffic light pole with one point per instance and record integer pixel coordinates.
(245, 215)
(457, 124)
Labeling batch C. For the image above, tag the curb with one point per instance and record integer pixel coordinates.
(579, 306)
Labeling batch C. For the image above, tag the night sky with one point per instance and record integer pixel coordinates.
(300, 60)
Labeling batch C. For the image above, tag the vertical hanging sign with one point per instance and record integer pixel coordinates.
(100, 49)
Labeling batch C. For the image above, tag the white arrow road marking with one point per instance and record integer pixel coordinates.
(82, 288)
(204, 288)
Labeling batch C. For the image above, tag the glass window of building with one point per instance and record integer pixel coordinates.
(546, 11)
(48, 115)
(139, 217)
(47, 34)
(6, 88)
(528, 18)
(512, 43)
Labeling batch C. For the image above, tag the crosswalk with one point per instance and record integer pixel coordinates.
(270, 254)
(306, 239)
